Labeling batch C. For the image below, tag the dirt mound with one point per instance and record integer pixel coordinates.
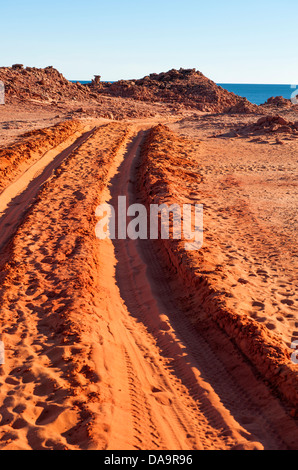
(40, 84)
(278, 101)
(266, 125)
(184, 86)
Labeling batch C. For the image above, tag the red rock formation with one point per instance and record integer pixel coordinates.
(40, 84)
(188, 87)
(278, 101)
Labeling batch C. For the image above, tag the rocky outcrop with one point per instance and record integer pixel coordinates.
(45, 85)
(188, 87)
(179, 89)
(278, 101)
(48, 87)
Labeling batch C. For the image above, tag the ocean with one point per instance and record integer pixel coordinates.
(256, 94)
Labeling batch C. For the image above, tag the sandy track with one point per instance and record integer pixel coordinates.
(99, 354)
(209, 407)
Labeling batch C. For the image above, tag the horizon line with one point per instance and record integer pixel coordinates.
(217, 83)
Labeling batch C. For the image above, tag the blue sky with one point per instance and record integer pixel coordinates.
(229, 41)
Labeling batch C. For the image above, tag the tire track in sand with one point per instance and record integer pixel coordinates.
(151, 407)
(145, 432)
(207, 403)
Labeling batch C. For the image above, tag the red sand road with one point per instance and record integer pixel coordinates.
(100, 353)
(184, 394)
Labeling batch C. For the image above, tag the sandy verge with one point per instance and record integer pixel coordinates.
(30, 148)
(16, 199)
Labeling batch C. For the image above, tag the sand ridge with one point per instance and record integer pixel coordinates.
(224, 293)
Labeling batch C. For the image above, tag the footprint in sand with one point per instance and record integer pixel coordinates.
(242, 281)
(261, 305)
(49, 414)
(270, 326)
(287, 302)
(161, 397)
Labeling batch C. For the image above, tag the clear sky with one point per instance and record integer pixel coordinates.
(229, 41)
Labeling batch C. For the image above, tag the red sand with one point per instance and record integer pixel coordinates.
(140, 344)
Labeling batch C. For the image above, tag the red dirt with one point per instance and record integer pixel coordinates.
(138, 344)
